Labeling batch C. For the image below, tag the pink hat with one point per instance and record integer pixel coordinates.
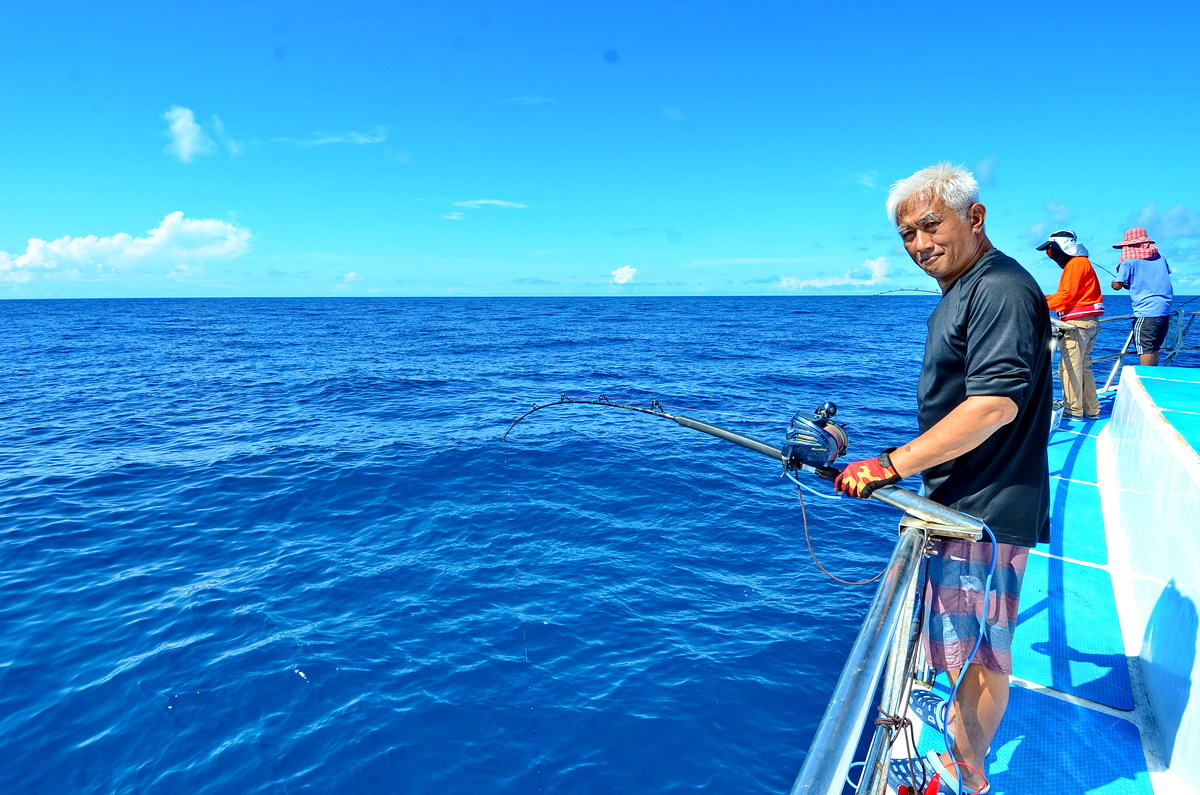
(1135, 237)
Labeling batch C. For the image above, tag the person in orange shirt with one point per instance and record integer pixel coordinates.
(1079, 304)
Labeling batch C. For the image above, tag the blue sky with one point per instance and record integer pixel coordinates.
(565, 148)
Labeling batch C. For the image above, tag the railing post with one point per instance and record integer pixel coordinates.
(896, 684)
(833, 746)
(1117, 364)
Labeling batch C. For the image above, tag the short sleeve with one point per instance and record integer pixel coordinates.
(1002, 337)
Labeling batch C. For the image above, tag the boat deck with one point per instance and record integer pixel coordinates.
(1078, 719)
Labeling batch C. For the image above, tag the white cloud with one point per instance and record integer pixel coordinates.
(1058, 212)
(1177, 222)
(352, 276)
(188, 138)
(184, 272)
(623, 275)
(1038, 232)
(475, 204)
(672, 113)
(177, 241)
(234, 148)
(871, 272)
(377, 136)
(985, 172)
(868, 179)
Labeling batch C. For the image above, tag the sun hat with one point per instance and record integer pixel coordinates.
(1061, 236)
(1134, 237)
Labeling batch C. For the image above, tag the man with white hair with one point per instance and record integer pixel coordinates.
(984, 402)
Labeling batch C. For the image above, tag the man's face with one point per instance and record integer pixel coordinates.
(944, 245)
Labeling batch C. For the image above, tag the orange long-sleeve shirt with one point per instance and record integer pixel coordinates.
(1078, 293)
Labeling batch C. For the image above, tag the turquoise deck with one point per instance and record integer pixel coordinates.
(1103, 754)
(1174, 392)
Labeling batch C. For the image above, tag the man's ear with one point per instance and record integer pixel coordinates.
(977, 213)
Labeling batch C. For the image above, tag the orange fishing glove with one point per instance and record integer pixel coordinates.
(862, 478)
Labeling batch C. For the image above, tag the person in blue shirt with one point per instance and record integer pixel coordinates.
(1145, 273)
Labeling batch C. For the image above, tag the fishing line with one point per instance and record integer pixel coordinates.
(512, 535)
(812, 443)
(655, 404)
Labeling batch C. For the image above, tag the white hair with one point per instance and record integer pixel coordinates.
(954, 185)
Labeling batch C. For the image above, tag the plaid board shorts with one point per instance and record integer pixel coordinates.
(954, 603)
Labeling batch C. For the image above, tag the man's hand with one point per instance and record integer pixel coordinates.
(862, 478)
(1118, 285)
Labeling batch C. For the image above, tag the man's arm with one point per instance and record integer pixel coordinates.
(1123, 277)
(969, 425)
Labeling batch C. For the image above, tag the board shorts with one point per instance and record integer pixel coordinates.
(954, 604)
(1149, 333)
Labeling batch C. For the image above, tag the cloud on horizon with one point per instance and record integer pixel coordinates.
(622, 275)
(179, 245)
(871, 272)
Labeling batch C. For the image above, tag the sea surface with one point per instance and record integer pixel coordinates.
(279, 546)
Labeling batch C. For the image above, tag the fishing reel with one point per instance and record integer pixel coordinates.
(815, 440)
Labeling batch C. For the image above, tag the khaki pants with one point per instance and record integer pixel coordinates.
(1075, 368)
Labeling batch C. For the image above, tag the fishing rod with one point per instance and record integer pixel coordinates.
(812, 443)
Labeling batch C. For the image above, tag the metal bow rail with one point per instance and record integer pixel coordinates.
(886, 644)
(1182, 323)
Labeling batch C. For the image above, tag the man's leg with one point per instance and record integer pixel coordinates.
(1149, 334)
(975, 716)
(1070, 371)
(1088, 331)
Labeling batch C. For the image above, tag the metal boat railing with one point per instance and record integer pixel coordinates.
(1181, 324)
(884, 650)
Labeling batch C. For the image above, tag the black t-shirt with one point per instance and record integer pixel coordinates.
(990, 335)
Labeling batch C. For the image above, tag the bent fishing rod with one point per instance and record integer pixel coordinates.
(812, 443)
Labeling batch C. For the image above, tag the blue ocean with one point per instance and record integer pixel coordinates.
(279, 546)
